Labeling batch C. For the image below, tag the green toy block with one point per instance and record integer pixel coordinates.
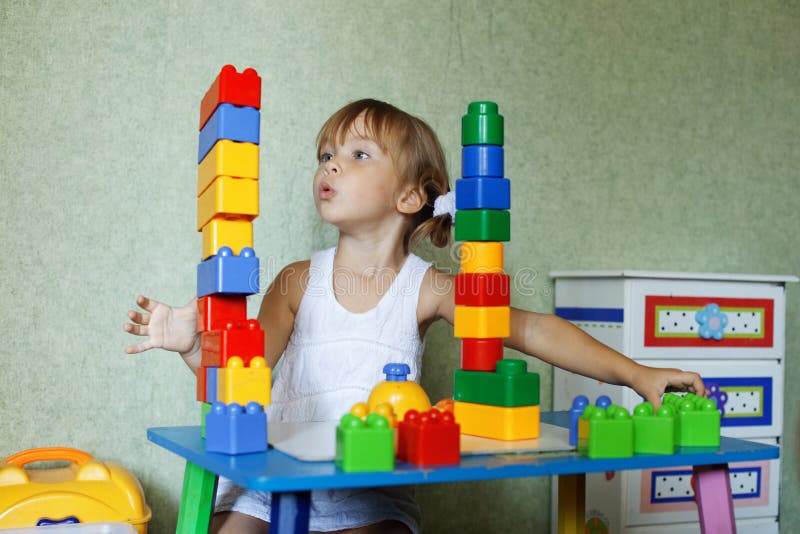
(653, 431)
(511, 385)
(364, 446)
(605, 433)
(482, 125)
(483, 225)
(205, 407)
(698, 420)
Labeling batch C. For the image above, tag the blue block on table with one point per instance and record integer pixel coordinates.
(236, 429)
(225, 273)
(211, 384)
(482, 161)
(229, 122)
(483, 193)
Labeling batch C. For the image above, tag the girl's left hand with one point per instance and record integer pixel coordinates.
(652, 382)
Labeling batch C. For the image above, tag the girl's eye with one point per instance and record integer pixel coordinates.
(325, 157)
(358, 154)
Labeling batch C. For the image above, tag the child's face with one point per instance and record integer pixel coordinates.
(356, 182)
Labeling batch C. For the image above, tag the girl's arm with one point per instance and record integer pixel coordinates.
(560, 343)
(279, 307)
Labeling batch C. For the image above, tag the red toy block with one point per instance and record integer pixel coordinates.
(482, 289)
(231, 87)
(244, 339)
(215, 311)
(429, 438)
(481, 354)
(201, 384)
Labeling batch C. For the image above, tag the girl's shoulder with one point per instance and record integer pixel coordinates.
(291, 283)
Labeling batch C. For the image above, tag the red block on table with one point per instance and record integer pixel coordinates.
(215, 311)
(429, 438)
(481, 354)
(231, 87)
(482, 289)
(201, 384)
(244, 339)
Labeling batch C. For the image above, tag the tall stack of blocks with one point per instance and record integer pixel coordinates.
(233, 381)
(493, 398)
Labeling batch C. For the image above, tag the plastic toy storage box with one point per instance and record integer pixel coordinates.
(85, 491)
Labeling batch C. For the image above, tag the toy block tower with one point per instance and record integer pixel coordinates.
(493, 397)
(233, 381)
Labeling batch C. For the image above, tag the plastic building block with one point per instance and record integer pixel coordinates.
(227, 158)
(483, 193)
(483, 225)
(697, 422)
(228, 274)
(603, 401)
(230, 122)
(481, 354)
(482, 125)
(497, 422)
(511, 385)
(402, 394)
(653, 431)
(240, 89)
(234, 429)
(429, 438)
(482, 321)
(212, 384)
(228, 197)
(482, 161)
(239, 384)
(201, 384)
(205, 407)
(579, 404)
(364, 445)
(482, 289)
(361, 409)
(605, 432)
(244, 339)
(235, 234)
(481, 257)
(215, 311)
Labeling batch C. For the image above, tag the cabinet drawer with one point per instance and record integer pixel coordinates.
(709, 320)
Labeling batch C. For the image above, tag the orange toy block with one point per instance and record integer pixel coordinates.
(482, 322)
(481, 257)
(497, 422)
(240, 384)
(227, 158)
(221, 232)
(228, 197)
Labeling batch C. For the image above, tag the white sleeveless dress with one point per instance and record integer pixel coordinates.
(333, 360)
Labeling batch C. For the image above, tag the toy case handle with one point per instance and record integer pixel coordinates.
(23, 458)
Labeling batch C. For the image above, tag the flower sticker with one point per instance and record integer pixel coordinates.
(712, 322)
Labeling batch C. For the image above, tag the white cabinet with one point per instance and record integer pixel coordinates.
(727, 328)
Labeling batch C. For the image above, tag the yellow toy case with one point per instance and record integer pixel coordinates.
(85, 491)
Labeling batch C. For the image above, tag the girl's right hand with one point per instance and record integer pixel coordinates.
(166, 327)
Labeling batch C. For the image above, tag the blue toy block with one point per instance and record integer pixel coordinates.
(579, 404)
(483, 193)
(234, 429)
(603, 401)
(482, 161)
(229, 122)
(225, 273)
(211, 384)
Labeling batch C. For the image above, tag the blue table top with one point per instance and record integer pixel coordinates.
(276, 471)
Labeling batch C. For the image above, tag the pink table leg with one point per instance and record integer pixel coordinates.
(712, 490)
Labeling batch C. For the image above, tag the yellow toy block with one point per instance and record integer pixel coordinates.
(228, 196)
(497, 422)
(222, 232)
(227, 158)
(240, 384)
(482, 322)
(481, 257)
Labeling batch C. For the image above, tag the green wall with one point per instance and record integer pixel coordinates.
(647, 135)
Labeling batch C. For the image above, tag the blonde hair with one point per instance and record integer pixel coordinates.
(416, 153)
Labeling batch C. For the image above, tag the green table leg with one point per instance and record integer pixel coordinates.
(197, 500)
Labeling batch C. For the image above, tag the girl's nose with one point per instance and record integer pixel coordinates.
(331, 166)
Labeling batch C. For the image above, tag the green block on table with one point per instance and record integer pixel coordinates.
(205, 407)
(482, 125)
(698, 420)
(653, 431)
(605, 433)
(511, 385)
(364, 446)
(483, 225)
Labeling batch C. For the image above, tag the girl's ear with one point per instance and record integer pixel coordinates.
(411, 201)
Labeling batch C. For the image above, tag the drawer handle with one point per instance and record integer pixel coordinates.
(712, 322)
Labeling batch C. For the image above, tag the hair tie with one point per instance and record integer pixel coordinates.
(445, 204)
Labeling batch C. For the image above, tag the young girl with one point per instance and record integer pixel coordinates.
(339, 317)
